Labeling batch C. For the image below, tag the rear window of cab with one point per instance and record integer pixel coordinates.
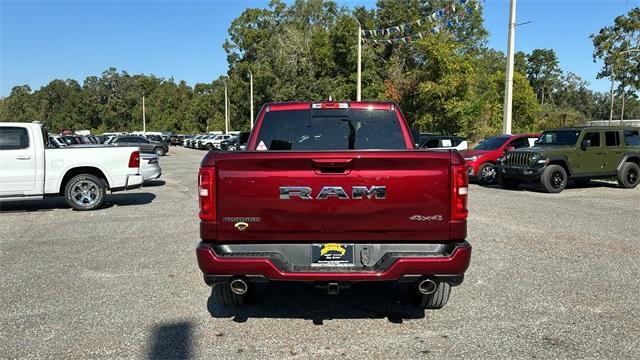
(329, 129)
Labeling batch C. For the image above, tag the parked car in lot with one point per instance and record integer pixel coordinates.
(213, 141)
(579, 154)
(192, 141)
(481, 160)
(160, 139)
(344, 198)
(243, 137)
(230, 144)
(205, 142)
(82, 174)
(175, 140)
(72, 140)
(150, 166)
(57, 141)
(433, 141)
(145, 145)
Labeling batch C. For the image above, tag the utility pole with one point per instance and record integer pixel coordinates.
(251, 97)
(144, 118)
(508, 86)
(359, 85)
(226, 111)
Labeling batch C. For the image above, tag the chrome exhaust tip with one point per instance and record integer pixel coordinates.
(427, 286)
(238, 286)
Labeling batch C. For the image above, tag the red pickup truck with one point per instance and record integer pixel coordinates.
(333, 193)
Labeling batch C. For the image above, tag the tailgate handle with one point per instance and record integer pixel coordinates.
(332, 165)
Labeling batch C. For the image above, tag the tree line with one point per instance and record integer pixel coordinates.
(448, 81)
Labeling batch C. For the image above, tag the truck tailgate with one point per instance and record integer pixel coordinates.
(414, 207)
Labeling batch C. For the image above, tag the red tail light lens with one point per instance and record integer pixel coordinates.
(459, 192)
(207, 193)
(134, 160)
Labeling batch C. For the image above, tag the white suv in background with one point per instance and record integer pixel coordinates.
(213, 142)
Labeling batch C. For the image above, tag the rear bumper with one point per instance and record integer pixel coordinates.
(132, 182)
(151, 172)
(152, 175)
(287, 262)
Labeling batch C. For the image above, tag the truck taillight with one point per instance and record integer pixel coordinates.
(134, 160)
(207, 193)
(459, 192)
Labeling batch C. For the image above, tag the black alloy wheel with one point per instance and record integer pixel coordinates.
(557, 180)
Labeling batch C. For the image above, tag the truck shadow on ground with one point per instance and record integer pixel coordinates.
(305, 301)
(129, 198)
(171, 341)
(154, 183)
(118, 199)
(533, 187)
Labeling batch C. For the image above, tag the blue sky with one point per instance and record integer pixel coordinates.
(44, 40)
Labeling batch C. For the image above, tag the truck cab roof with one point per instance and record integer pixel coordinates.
(302, 105)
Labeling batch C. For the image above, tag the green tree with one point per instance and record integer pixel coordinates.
(543, 72)
(618, 47)
(520, 62)
(19, 106)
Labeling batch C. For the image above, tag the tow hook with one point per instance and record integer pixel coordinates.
(333, 289)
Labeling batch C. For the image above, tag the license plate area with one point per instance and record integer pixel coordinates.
(332, 254)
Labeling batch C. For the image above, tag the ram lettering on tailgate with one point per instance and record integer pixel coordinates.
(357, 192)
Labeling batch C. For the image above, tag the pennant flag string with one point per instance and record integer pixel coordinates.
(404, 39)
(459, 10)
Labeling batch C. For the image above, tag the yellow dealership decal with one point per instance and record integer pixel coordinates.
(333, 247)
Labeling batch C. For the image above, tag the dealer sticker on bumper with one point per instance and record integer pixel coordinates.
(332, 254)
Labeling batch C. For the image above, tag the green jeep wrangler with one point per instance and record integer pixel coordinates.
(578, 154)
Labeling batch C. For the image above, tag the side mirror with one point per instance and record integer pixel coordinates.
(509, 148)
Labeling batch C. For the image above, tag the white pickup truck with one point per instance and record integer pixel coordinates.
(31, 169)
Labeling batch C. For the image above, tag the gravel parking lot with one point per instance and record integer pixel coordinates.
(552, 276)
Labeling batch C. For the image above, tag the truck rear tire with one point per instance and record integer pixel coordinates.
(629, 175)
(437, 300)
(554, 179)
(224, 295)
(84, 192)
